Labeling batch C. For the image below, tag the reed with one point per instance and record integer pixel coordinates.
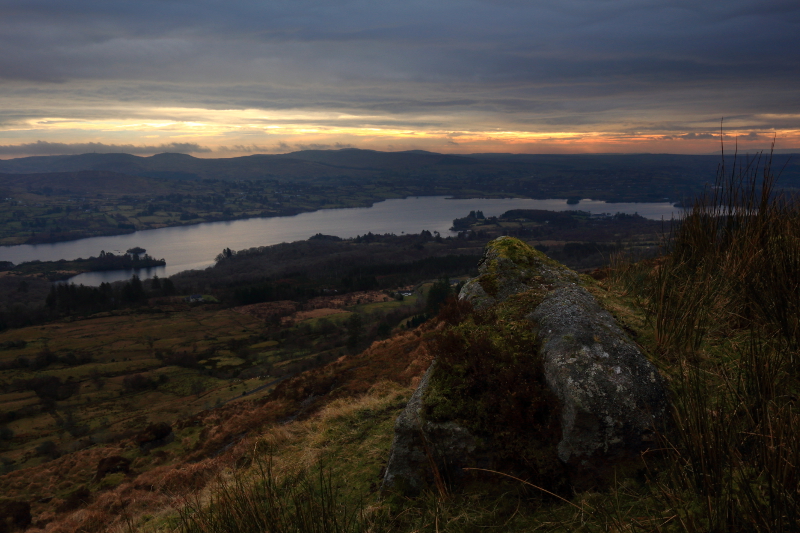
(725, 309)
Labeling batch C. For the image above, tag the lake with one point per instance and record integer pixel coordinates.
(196, 246)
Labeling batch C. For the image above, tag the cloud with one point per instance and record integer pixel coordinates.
(550, 65)
(247, 149)
(697, 136)
(322, 146)
(280, 148)
(689, 137)
(754, 136)
(55, 148)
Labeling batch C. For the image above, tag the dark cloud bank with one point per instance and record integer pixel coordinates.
(51, 148)
(549, 62)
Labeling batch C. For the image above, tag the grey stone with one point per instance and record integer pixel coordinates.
(612, 398)
(473, 292)
(420, 447)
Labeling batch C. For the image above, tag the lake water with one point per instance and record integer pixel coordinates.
(196, 246)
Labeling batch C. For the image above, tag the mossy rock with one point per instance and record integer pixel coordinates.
(484, 404)
(508, 267)
(422, 449)
(531, 377)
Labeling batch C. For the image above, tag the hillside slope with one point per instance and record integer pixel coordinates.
(717, 315)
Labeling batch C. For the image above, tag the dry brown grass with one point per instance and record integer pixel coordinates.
(346, 300)
(294, 419)
(314, 308)
(724, 310)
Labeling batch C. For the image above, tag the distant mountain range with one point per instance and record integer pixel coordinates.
(355, 163)
(308, 164)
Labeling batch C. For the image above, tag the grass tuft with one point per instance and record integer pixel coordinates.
(267, 503)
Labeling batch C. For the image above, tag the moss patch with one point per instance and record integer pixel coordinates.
(489, 283)
(489, 379)
(519, 252)
(510, 265)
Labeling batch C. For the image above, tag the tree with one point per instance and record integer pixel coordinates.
(168, 288)
(227, 253)
(437, 295)
(133, 291)
(384, 329)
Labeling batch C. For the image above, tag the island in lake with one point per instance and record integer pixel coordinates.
(64, 269)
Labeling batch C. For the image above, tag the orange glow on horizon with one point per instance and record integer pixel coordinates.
(229, 133)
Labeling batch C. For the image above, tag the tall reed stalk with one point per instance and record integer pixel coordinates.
(724, 302)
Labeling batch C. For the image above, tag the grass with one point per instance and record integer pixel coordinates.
(724, 307)
(313, 475)
(272, 505)
(351, 439)
(115, 345)
(118, 346)
(718, 312)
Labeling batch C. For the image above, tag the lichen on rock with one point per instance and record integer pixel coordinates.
(419, 443)
(612, 398)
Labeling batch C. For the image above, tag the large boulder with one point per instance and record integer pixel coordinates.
(579, 370)
(612, 398)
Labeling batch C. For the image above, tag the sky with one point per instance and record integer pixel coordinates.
(229, 78)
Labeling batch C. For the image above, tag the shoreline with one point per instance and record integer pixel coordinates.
(294, 212)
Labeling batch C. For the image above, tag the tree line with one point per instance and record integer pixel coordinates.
(66, 299)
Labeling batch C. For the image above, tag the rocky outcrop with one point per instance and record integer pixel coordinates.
(609, 399)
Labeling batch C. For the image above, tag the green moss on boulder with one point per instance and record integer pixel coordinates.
(508, 267)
